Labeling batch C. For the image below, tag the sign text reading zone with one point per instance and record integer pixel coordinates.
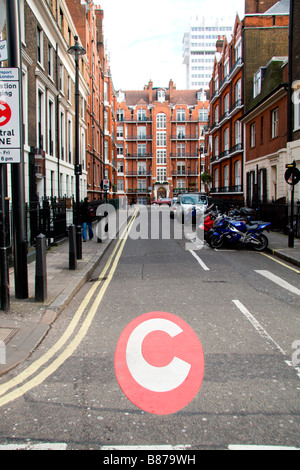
(10, 142)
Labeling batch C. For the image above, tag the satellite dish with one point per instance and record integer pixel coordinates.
(2, 15)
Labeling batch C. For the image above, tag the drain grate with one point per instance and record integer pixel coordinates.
(6, 334)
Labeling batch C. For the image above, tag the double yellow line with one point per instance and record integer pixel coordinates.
(22, 378)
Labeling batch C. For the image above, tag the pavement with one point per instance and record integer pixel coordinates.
(23, 328)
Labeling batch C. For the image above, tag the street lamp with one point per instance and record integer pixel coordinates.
(77, 51)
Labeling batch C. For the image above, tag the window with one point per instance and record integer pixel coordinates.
(41, 119)
(238, 132)
(275, 123)
(217, 146)
(161, 95)
(296, 101)
(120, 132)
(161, 157)
(69, 89)
(181, 169)
(62, 135)
(257, 83)
(142, 150)
(141, 115)
(238, 51)
(142, 168)
(69, 141)
(120, 115)
(238, 90)
(50, 61)
(161, 174)
(61, 78)
(39, 45)
(226, 176)
(253, 135)
(120, 185)
(141, 132)
(180, 132)
(226, 103)
(120, 167)
(181, 148)
(161, 139)
(51, 127)
(217, 178)
(237, 174)
(161, 121)
(203, 115)
(180, 114)
(216, 114)
(226, 139)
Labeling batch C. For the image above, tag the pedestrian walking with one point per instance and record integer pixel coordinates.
(86, 218)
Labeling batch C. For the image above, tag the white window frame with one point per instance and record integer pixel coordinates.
(161, 157)
(161, 139)
(275, 123)
(253, 135)
(161, 121)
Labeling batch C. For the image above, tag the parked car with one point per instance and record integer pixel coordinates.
(162, 201)
(173, 207)
(186, 203)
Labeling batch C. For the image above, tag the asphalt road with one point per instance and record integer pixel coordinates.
(241, 306)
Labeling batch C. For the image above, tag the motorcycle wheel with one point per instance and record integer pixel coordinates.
(263, 243)
(216, 242)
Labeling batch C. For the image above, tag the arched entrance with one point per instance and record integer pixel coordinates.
(161, 193)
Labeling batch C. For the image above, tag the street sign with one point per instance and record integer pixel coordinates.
(159, 363)
(105, 185)
(292, 174)
(3, 51)
(10, 141)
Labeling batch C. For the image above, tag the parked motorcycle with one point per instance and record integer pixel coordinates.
(239, 232)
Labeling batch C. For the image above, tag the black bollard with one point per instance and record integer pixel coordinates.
(41, 269)
(72, 248)
(79, 241)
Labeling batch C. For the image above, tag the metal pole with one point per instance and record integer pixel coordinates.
(17, 169)
(4, 269)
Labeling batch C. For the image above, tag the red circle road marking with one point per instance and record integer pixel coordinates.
(159, 363)
(5, 113)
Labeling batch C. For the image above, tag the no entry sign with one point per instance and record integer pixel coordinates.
(10, 116)
(159, 363)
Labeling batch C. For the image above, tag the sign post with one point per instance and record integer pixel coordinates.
(17, 170)
(10, 143)
(292, 177)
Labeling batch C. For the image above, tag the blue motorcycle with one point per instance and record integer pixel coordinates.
(239, 232)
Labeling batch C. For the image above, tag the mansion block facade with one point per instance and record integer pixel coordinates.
(160, 142)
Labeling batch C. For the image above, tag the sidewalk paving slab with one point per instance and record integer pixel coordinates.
(26, 324)
(278, 246)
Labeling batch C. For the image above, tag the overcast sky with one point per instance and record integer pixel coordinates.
(144, 38)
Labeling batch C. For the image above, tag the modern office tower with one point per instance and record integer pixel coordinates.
(199, 48)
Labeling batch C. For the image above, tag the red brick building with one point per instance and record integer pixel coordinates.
(100, 106)
(265, 130)
(239, 66)
(226, 110)
(160, 139)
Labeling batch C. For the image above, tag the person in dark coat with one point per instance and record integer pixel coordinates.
(86, 220)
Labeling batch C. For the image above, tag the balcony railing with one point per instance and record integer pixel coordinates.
(139, 137)
(139, 173)
(142, 156)
(185, 173)
(184, 155)
(227, 189)
(181, 136)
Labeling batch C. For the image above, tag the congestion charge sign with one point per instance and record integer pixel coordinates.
(10, 142)
(159, 363)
